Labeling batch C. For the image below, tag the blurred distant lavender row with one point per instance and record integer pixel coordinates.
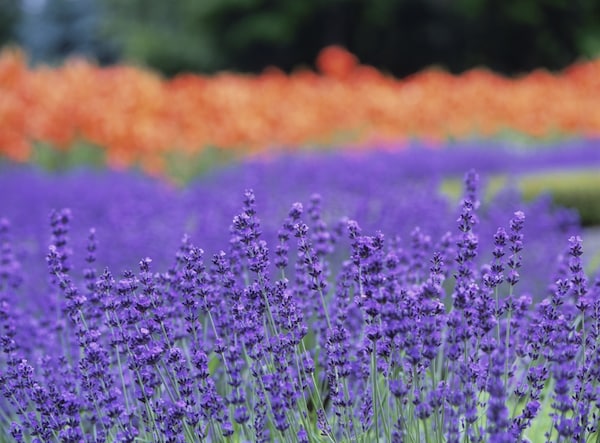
(391, 191)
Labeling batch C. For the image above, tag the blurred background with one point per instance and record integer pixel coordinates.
(399, 37)
(184, 125)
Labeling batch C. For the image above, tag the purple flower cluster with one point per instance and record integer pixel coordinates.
(320, 331)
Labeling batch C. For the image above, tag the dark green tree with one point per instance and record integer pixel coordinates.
(9, 17)
(399, 36)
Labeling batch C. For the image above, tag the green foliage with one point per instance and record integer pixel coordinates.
(399, 36)
(80, 154)
(182, 167)
(206, 36)
(578, 189)
(9, 15)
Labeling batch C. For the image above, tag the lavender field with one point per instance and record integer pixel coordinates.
(330, 297)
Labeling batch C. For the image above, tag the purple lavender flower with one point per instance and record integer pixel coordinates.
(516, 246)
(497, 411)
(366, 337)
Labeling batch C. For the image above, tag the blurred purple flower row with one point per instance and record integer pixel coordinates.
(391, 191)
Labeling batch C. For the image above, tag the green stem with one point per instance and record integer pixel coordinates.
(506, 350)
(375, 397)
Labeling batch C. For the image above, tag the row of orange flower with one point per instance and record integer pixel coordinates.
(138, 116)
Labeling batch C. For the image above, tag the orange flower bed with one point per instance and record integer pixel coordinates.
(138, 116)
